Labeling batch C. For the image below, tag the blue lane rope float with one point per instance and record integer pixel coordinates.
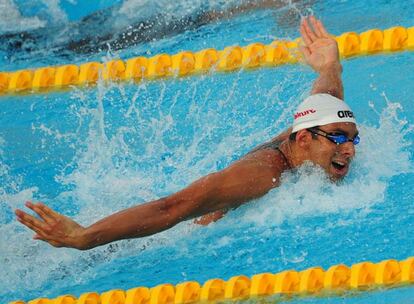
(186, 63)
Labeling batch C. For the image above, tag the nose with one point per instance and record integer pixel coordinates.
(347, 149)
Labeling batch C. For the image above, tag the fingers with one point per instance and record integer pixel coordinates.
(32, 222)
(47, 214)
(41, 237)
(42, 227)
(322, 29)
(305, 37)
(312, 29)
(315, 26)
(308, 30)
(45, 239)
(35, 226)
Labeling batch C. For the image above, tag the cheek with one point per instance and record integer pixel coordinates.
(323, 154)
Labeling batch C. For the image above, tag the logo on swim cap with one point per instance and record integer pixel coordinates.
(304, 113)
(343, 114)
(319, 110)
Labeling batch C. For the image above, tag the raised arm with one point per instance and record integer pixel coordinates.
(320, 51)
(248, 178)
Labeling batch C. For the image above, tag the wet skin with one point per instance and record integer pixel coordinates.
(333, 158)
(244, 180)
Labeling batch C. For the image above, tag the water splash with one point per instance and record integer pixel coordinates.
(308, 191)
(11, 19)
(9, 189)
(137, 143)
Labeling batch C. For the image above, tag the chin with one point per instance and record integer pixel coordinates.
(336, 178)
(337, 175)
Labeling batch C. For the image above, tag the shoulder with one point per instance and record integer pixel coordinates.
(272, 144)
(264, 158)
(268, 154)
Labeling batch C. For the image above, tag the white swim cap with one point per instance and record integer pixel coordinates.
(319, 110)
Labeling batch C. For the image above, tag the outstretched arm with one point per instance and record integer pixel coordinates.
(320, 51)
(246, 179)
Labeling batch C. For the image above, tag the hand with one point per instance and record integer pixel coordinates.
(53, 228)
(320, 50)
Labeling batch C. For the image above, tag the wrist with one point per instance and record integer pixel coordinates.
(332, 67)
(84, 239)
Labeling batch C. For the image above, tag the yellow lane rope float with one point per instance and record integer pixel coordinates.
(185, 63)
(337, 280)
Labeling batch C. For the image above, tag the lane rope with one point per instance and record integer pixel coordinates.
(187, 63)
(314, 281)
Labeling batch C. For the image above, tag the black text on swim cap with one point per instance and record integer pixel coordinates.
(345, 114)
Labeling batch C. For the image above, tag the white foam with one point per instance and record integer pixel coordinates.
(107, 176)
(11, 19)
(56, 13)
(381, 155)
(147, 10)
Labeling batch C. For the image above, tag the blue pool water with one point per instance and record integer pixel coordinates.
(91, 152)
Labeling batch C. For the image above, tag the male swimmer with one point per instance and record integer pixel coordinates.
(324, 132)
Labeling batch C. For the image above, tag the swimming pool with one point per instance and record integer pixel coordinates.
(88, 153)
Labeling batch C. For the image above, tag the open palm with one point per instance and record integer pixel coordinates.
(52, 227)
(319, 49)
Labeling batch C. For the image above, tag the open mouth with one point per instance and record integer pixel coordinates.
(338, 165)
(340, 168)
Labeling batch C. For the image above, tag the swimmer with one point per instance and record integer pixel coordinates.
(324, 132)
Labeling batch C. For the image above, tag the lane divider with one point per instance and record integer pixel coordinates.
(186, 63)
(337, 280)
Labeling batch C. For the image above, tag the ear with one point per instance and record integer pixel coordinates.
(304, 138)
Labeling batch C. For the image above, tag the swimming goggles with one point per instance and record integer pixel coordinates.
(337, 138)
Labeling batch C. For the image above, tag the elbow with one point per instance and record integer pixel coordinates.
(171, 211)
(176, 210)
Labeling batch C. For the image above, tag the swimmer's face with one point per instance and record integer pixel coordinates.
(333, 158)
